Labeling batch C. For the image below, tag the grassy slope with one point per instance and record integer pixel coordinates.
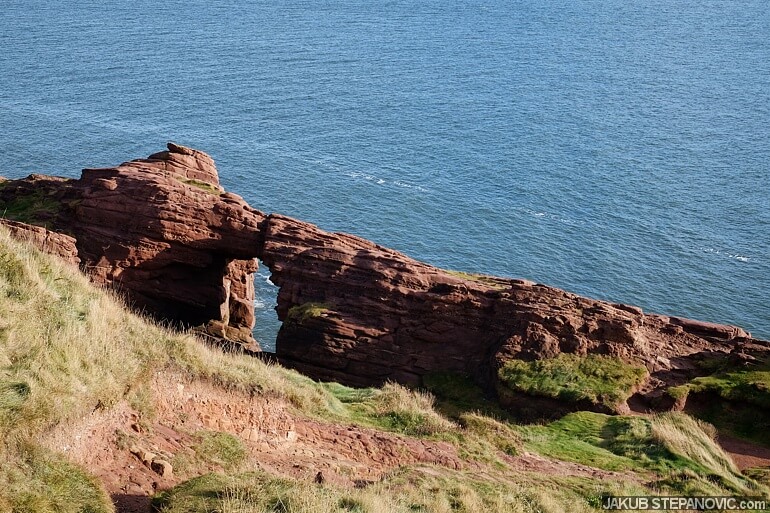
(744, 408)
(597, 379)
(674, 447)
(29, 208)
(67, 349)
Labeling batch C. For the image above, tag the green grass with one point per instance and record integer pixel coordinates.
(749, 386)
(392, 408)
(204, 186)
(457, 394)
(738, 400)
(578, 437)
(677, 448)
(300, 314)
(32, 208)
(738, 419)
(221, 449)
(211, 449)
(411, 412)
(598, 379)
(41, 482)
(481, 432)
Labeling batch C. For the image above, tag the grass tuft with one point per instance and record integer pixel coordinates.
(300, 314)
(408, 411)
(221, 449)
(392, 408)
(210, 450)
(598, 379)
(204, 186)
(749, 386)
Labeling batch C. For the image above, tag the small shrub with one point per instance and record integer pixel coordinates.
(409, 411)
(221, 449)
(300, 314)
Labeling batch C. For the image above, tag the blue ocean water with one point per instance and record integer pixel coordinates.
(618, 149)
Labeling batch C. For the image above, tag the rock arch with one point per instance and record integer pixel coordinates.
(164, 231)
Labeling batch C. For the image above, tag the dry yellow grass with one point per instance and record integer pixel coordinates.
(67, 349)
(410, 410)
(695, 440)
(425, 489)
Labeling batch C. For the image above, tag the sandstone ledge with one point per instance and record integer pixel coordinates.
(164, 231)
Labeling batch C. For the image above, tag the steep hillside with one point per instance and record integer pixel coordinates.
(165, 233)
(100, 408)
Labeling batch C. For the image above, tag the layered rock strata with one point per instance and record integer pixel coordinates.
(163, 230)
(58, 244)
(363, 314)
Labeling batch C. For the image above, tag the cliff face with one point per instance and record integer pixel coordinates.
(363, 314)
(162, 230)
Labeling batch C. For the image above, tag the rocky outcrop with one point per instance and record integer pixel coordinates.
(162, 230)
(58, 244)
(362, 314)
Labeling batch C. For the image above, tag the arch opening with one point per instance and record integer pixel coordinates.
(266, 324)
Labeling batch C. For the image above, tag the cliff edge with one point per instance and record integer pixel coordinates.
(163, 231)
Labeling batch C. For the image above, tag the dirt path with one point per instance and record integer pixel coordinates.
(110, 444)
(745, 454)
(530, 462)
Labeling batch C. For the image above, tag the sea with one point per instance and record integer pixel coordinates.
(618, 149)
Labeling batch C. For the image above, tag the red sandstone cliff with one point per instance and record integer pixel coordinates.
(362, 314)
(162, 230)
